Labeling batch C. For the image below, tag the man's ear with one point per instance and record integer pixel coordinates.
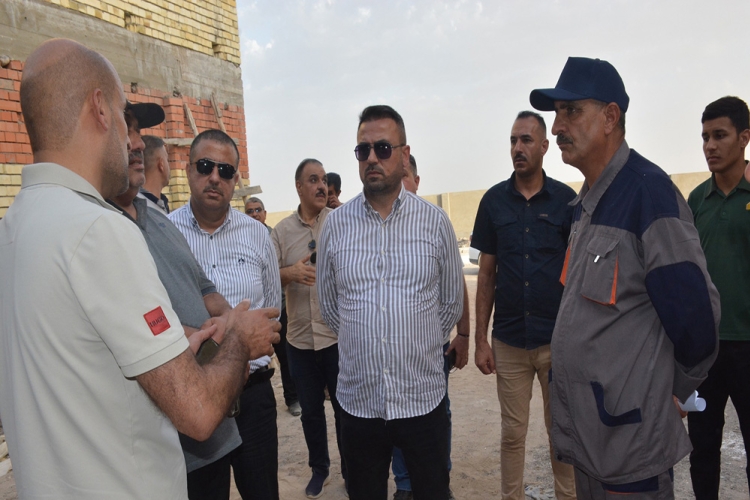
(101, 109)
(612, 117)
(744, 138)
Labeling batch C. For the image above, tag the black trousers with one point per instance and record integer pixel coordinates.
(256, 461)
(290, 391)
(729, 377)
(367, 444)
(210, 482)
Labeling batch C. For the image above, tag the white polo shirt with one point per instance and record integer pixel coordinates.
(82, 312)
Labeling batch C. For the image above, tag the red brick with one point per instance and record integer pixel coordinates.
(14, 96)
(7, 147)
(17, 86)
(26, 148)
(14, 75)
(10, 105)
(17, 65)
(24, 158)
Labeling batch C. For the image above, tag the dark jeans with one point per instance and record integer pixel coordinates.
(312, 371)
(256, 461)
(368, 443)
(210, 482)
(400, 472)
(729, 377)
(290, 391)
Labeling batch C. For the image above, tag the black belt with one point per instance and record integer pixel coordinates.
(260, 375)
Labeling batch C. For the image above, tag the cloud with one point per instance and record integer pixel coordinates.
(364, 14)
(253, 48)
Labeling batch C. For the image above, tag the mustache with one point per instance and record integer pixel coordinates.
(374, 168)
(135, 155)
(564, 139)
(212, 189)
(520, 156)
(322, 192)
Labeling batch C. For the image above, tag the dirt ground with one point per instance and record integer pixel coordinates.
(476, 445)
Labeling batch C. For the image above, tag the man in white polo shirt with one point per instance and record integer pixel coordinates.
(94, 361)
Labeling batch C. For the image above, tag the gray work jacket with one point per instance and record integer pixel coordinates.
(638, 322)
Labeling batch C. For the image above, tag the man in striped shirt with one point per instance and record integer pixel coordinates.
(237, 255)
(390, 286)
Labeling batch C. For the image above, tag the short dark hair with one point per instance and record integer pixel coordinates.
(382, 112)
(301, 167)
(213, 134)
(334, 179)
(152, 144)
(733, 108)
(413, 165)
(532, 114)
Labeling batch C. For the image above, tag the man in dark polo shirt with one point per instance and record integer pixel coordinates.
(721, 208)
(522, 229)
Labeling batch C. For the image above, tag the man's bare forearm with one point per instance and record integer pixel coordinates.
(216, 304)
(485, 295)
(196, 398)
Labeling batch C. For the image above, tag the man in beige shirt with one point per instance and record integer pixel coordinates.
(311, 346)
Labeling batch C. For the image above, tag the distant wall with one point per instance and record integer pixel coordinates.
(461, 207)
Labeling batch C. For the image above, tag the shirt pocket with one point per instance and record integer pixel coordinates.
(507, 232)
(551, 238)
(600, 278)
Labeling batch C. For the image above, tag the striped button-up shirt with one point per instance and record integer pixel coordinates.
(238, 257)
(393, 290)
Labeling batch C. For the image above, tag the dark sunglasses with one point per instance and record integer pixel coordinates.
(251, 210)
(314, 255)
(204, 166)
(383, 150)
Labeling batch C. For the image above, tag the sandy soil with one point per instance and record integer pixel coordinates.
(476, 445)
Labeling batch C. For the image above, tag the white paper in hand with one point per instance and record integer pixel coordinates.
(693, 403)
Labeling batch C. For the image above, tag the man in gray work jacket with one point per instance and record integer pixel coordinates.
(638, 321)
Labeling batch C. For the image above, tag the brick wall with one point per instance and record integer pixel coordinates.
(15, 150)
(206, 26)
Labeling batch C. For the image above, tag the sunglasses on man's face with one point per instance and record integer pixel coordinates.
(383, 150)
(251, 211)
(204, 166)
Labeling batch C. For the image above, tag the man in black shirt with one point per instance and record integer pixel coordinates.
(522, 229)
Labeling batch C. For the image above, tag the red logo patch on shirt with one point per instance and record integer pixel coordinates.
(157, 321)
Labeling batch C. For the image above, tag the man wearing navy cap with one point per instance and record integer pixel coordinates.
(638, 321)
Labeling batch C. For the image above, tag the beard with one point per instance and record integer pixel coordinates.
(384, 185)
(115, 179)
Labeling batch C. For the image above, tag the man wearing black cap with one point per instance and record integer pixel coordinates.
(638, 321)
(138, 116)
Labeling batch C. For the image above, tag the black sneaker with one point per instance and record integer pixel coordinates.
(315, 486)
(403, 495)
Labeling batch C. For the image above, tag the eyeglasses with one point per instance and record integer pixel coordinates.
(251, 211)
(205, 166)
(314, 255)
(383, 150)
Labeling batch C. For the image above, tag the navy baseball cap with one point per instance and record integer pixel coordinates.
(148, 114)
(583, 78)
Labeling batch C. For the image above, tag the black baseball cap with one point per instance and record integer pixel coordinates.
(583, 78)
(148, 114)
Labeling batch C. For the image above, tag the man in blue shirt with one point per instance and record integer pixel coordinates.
(522, 229)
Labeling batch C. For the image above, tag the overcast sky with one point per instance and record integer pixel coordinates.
(459, 72)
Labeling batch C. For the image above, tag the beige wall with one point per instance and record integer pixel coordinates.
(461, 207)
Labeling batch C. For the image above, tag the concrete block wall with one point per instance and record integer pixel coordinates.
(462, 207)
(206, 26)
(15, 150)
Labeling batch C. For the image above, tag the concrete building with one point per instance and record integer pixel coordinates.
(181, 54)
